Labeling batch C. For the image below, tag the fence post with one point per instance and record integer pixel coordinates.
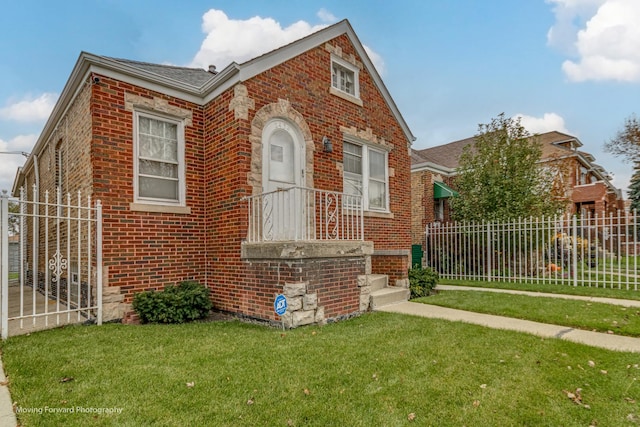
(574, 256)
(4, 269)
(99, 260)
(488, 251)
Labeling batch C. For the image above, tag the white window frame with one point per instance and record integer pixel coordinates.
(181, 166)
(341, 63)
(366, 149)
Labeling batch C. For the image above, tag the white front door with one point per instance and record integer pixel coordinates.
(282, 168)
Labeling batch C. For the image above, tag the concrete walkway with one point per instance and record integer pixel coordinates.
(595, 339)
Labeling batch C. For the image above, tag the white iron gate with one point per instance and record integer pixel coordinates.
(598, 251)
(59, 279)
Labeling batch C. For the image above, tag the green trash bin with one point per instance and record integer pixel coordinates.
(416, 255)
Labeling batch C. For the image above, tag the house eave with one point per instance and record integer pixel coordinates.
(433, 167)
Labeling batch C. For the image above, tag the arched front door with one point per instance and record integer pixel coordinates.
(283, 160)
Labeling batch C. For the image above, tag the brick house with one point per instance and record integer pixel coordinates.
(287, 173)
(585, 186)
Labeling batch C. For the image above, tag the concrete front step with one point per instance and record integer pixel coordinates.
(388, 296)
(378, 281)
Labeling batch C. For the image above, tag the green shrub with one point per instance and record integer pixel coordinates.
(175, 304)
(422, 281)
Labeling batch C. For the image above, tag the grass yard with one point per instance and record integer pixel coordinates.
(586, 315)
(568, 289)
(379, 369)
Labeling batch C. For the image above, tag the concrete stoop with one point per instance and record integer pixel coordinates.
(382, 294)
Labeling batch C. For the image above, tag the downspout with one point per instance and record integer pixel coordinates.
(36, 223)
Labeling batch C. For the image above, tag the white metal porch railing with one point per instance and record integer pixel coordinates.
(60, 262)
(589, 251)
(299, 213)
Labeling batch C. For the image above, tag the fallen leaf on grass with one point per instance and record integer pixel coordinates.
(576, 397)
(411, 416)
(630, 400)
(191, 384)
(483, 386)
(476, 403)
(306, 391)
(66, 379)
(592, 363)
(603, 372)
(250, 401)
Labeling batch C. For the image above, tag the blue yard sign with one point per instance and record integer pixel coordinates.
(280, 304)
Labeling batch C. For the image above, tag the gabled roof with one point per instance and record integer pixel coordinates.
(555, 145)
(196, 77)
(197, 85)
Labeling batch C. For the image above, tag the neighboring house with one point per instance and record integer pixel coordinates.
(288, 173)
(585, 185)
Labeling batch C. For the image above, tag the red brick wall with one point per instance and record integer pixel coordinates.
(333, 279)
(395, 267)
(144, 250)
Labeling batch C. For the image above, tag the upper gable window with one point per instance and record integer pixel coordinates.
(344, 78)
(159, 160)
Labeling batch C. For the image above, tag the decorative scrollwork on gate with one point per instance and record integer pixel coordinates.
(57, 264)
(332, 206)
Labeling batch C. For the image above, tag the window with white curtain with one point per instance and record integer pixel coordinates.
(365, 173)
(159, 162)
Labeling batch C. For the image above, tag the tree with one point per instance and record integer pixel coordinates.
(14, 221)
(499, 177)
(634, 188)
(626, 144)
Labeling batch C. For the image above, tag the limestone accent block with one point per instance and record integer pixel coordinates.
(362, 280)
(113, 307)
(295, 289)
(303, 317)
(364, 301)
(310, 301)
(294, 304)
(241, 103)
(402, 283)
(132, 102)
(320, 320)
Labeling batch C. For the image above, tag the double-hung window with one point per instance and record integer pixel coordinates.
(365, 173)
(344, 77)
(159, 160)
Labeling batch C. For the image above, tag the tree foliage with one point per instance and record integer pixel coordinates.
(14, 220)
(499, 177)
(626, 144)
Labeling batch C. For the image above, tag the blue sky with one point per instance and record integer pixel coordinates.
(566, 65)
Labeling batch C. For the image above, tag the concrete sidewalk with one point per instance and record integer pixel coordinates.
(7, 416)
(595, 339)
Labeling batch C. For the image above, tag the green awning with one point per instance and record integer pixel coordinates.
(443, 191)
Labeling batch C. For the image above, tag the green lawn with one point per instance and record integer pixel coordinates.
(379, 369)
(554, 288)
(586, 315)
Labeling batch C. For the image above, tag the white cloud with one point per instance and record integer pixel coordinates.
(606, 39)
(326, 16)
(11, 162)
(30, 110)
(228, 40)
(547, 123)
